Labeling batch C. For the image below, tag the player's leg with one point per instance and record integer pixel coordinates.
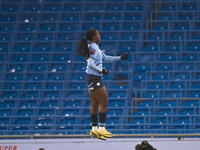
(94, 116)
(102, 98)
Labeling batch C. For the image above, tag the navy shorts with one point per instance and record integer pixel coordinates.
(94, 82)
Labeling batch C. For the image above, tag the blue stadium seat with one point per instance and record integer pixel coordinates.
(117, 94)
(114, 7)
(78, 77)
(45, 37)
(70, 112)
(168, 58)
(173, 95)
(56, 77)
(30, 17)
(187, 111)
(134, 7)
(73, 103)
(78, 86)
(70, 16)
(17, 68)
(32, 7)
(6, 27)
(38, 67)
(61, 57)
(51, 94)
(47, 27)
(44, 121)
(112, 121)
(12, 86)
(7, 18)
(156, 86)
(54, 86)
(22, 47)
(168, 103)
(35, 77)
(137, 78)
(40, 58)
(24, 37)
(164, 112)
(150, 95)
(31, 94)
(133, 16)
(28, 103)
(127, 47)
(6, 112)
(191, 103)
(9, 8)
(4, 121)
(116, 103)
(75, 94)
(142, 68)
(160, 77)
(196, 86)
(46, 112)
(109, 36)
(63, 47)
(119, 86)
(25, 112)
(189, 6)
(93, 16)
(52, 7)
(20, 58)
(169, 7)
(14, 77)
(129, 36)
(68, 121)
(42, 48)
(49, 103)
(68, 27)
(7, 103)
(58, 67)
(72, 7)
(185, 67)
(164, 67)
(22, 121)
(115, 112)
(177, 86)
(131, 26)
(141, 112)
(189, 58)
(111, 26)
(136, 120)
(182, 76)
(27, 27)
(3, 48)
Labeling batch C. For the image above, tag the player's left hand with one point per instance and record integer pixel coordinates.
(125, 56)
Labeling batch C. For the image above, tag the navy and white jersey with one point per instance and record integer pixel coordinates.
(94, 62)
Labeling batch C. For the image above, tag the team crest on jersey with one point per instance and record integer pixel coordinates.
(92, 52)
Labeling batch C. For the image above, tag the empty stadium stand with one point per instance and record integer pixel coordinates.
(42, 78)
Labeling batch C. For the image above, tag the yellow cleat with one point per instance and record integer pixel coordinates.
(96, 134)
(105, 133)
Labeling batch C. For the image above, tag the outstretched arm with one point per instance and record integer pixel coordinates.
(111, 58)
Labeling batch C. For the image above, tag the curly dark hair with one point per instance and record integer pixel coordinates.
(83, 49)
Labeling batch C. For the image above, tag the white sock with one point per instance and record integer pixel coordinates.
(101, 128)
(94, 128)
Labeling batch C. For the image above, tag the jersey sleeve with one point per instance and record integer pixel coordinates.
(111, 58)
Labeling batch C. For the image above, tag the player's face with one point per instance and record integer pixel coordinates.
(96, 37)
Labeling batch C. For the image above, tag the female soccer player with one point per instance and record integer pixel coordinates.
(89, 49)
